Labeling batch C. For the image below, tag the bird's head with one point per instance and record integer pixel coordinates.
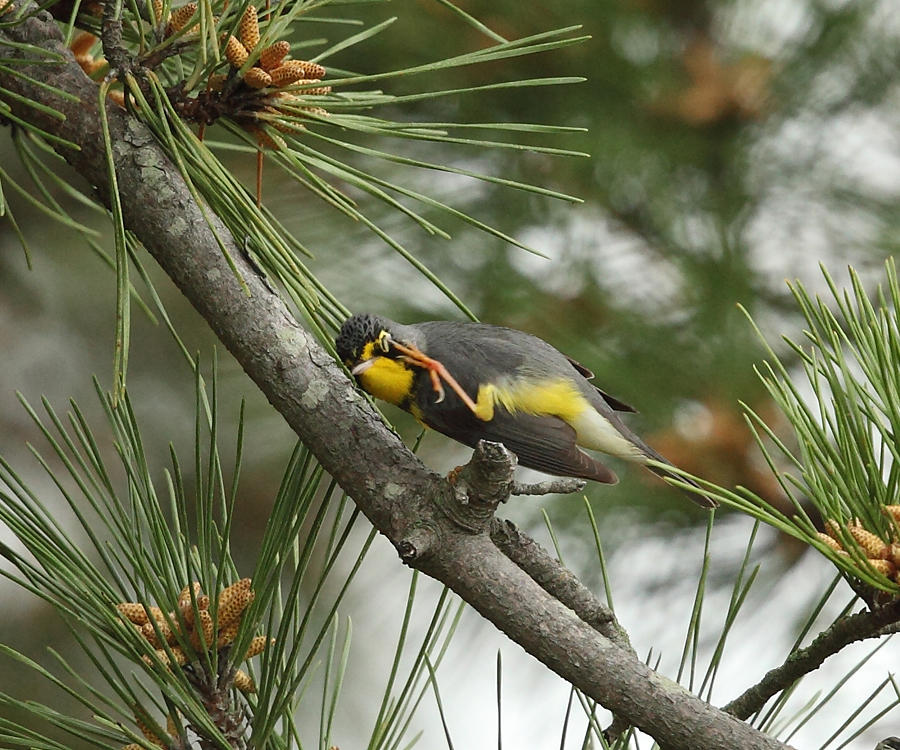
(363, 339)
(382, 355)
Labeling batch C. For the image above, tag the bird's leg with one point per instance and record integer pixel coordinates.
(437, 372)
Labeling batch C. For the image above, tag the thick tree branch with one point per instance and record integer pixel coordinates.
(402, 498)
(847, 630)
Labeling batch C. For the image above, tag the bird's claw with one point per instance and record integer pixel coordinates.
(436, 384)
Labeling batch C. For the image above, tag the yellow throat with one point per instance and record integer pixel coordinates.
(387, 379)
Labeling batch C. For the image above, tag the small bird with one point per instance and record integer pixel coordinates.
(504, 386)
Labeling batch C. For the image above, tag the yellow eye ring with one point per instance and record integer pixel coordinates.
(384, 341)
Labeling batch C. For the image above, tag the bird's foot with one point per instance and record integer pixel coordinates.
(437, 372)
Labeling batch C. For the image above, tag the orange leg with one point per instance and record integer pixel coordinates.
(437, 372)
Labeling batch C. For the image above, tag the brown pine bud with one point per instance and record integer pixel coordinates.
(895, 554)
(257, 78)
(243, 682)
(893, 511)
(276, 121)
(232, 602)
(832, 528)
(187, 608)
(180, 17)
(90, 64)
(884, 567)
(216, 82)
(287, 127)
(295, 70)
(258, 645)
(184, 596)
(227, 634)
(249, 28)
(278, 99)
(272, 56)
(180, 657)
(235, 52)
(312, 91)
(135, 612)
(117, 96)
(6, 5)
(318, 111)
(828, 541)
(82, 43)
(205, 630)
(157, 7)
(873, 545)
(271, 141)
(148, 733)
(149, 632)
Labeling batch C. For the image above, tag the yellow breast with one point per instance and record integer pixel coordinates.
(388, 380)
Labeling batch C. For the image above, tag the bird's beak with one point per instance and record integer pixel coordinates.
(360, 368)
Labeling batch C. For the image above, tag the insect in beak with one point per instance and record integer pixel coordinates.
(362, 366)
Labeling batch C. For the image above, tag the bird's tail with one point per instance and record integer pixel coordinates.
(703, 500)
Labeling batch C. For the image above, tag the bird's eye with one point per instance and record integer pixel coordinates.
(384, 341)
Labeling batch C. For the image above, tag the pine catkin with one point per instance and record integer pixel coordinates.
(235, 52)
(243, 682)
(249, 28)
(257, 78)
(232, 602)
(180, 17)
(273, 55)
(875, 548)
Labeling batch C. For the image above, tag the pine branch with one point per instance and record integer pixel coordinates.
(402, 498)
(847, 630)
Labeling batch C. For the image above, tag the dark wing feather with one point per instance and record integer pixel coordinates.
(613, 402)
(543, 443)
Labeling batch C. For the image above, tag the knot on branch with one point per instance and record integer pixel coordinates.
(417, 544)
(476, 489)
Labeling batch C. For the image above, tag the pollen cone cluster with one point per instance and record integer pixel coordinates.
(173, 735)
(274, 73)
(883, 557)
(188, 632)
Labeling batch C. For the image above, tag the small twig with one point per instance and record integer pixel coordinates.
(561, 583)
(558, 486)
(847, 630)
(120, 62)
(557, 580)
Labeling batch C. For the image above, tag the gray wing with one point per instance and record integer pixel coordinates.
(587, 374)
(543, 443)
